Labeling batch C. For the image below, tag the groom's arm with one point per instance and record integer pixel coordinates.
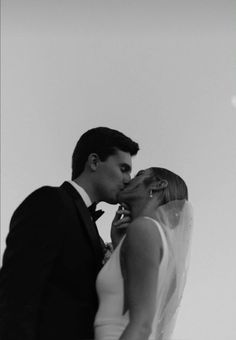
(32, 246)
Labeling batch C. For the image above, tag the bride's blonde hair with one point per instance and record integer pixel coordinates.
(176, 189)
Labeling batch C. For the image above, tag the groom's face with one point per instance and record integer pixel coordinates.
(138, 187)
(113, 175)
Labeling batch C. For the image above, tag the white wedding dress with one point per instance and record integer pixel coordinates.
(110, 321)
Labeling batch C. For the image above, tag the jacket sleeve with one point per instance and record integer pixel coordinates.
(33, 244)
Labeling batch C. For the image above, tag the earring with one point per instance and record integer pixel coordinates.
(150, 194)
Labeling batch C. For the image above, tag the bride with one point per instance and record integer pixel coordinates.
(141, 285)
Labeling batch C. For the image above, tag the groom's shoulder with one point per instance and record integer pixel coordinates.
(43, 191)
(43, 195)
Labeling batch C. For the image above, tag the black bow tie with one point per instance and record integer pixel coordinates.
(95, 214)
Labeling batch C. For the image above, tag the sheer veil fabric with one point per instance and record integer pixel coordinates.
(176, 219)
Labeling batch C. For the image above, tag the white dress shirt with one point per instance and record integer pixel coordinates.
(82, 193)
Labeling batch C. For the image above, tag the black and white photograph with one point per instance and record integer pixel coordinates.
(118, 170)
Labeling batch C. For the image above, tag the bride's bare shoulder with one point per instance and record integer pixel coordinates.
(143, 231)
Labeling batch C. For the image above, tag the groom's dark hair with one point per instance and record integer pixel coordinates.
(104, 142)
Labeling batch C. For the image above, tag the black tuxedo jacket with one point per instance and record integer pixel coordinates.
(52, 258)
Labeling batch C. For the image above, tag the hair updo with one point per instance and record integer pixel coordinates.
(175, 191)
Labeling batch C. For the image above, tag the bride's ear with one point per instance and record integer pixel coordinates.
(160, 185)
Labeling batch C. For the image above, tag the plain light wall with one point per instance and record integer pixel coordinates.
(161, 72)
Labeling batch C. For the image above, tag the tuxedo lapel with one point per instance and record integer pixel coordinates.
(89, 226)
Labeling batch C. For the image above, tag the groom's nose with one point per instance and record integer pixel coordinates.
(127, 178)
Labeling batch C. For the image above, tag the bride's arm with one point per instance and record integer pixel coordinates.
(119, 224)
(141, 251)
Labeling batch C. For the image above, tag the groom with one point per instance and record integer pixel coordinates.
(54, 251)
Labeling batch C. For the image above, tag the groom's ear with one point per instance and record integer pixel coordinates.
(93, 160)
(160, 185)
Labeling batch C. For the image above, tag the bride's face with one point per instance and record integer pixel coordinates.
(138, 187)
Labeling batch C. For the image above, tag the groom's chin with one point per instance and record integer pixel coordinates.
(121, 199)
(113, 200)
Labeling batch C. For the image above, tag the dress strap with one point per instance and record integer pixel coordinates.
(162, 233)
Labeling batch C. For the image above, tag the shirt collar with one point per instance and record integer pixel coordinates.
(82, 193)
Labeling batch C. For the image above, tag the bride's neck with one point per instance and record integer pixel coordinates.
(140, 210)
